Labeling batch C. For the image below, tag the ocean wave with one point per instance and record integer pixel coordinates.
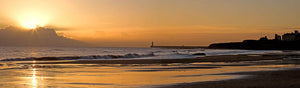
(90, 57)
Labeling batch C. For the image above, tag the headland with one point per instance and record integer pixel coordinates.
(288, 41)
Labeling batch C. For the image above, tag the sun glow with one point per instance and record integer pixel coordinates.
(30, 25)
(31, 20)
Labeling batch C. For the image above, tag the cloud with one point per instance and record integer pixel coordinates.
(14, 36)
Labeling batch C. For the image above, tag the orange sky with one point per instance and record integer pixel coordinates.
(135, 23)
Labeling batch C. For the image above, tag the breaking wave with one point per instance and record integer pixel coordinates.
(90, 57)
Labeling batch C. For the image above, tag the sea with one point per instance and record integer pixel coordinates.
(104, 53)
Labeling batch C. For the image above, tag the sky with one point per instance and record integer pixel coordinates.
(136, 23)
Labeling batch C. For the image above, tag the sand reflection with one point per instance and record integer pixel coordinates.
(34, 80)
(123, 76)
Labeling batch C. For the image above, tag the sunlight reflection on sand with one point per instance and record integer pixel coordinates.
(118, 75)
(34, 80)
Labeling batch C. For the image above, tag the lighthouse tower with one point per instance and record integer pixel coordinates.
(152, 44)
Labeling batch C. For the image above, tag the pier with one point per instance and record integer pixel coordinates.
(179, 47)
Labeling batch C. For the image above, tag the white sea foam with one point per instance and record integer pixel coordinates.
(72, 53)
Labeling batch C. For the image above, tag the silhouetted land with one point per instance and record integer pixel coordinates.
(259, 45)
(288, 41)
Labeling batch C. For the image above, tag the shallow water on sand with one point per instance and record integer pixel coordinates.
(15, 75)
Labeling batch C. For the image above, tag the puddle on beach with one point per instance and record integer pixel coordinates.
(127, 76)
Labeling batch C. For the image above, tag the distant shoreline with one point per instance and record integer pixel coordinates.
(181, 47)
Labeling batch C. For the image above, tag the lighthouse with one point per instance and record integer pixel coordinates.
(152, 44)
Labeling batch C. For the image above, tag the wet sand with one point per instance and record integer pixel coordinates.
(264, 79)
(207, 72)
(284, 78)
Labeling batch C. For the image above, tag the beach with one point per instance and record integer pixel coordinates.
(288, 78)
(221, 71)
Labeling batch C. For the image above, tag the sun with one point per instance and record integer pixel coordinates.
(32, 20)
(32, 23)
